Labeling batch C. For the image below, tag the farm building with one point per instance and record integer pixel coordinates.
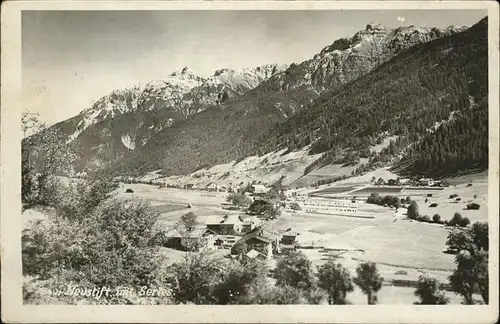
(426, 182)
(263, 240)
(225, 241)
(197, 238)
(225, 225)
(288, 241)
(261, 244)
(211, 186)
(250, 224)
(404, 181)
(254, 254)
(259, 189)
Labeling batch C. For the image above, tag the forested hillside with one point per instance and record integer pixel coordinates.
(434, 95)
(443, 82)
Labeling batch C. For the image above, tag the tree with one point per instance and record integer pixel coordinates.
(189, 220)
(455, 220)
(239, 248)
(458, 240)
(45, 154)
(369, 280)
(413, 210)
(464, 222)
(239, 199)
(336, 281)
(429, 292)
(294, 270)
(436, 218)
(111, 246)
(236, 281)
(192, 280)
(471, 274)
(479, 231)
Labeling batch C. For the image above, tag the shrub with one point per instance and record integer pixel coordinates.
(110, 246)
(458, 199)
(453, 196)
(464, 222)
(295, 206)
(433, 205)
(469, 185)
(429, 195)
(475, 196)
(425, 219)
(239, 199)
(473, 206)
(129, 190)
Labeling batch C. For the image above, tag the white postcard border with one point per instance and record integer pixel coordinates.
(10, 200)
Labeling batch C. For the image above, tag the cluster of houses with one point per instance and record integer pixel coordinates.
(224, 232)
(257, 189)
(427, 182)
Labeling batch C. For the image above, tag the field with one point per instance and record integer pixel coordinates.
(402, 249)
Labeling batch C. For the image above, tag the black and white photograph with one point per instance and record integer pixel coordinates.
(328, 156)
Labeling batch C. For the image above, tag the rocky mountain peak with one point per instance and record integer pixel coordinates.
(375, 27)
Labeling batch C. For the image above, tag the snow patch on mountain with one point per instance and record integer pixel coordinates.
(128, 142)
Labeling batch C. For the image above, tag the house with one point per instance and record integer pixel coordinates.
(254, 254)
(260, 244)
(225, 225)
(225, 241)
(404, 181)
(211, 186)
(259, 189)
(391, 182)
(199, 237)
(249, 224)
(263, 240)
(288, 241)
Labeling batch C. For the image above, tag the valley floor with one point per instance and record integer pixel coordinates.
(402, 249)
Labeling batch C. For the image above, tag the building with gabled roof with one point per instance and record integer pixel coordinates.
(195, 239)
(254, 254)
(227, 224)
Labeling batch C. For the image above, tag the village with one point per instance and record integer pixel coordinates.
(245, 235)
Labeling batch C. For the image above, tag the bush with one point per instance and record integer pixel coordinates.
(458, 199)
(239, 199)
(433, 205)
(464, 222)
(429, 195)
(469, 185)
(385, 201)
(425, 219)
(436, 219)
(453, 196)
(473, 206)
(129, 191)
(295, 206)
(110, 246)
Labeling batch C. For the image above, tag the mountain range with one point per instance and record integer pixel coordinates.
(378, 83)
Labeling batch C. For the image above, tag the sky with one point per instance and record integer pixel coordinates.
(72, 58)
